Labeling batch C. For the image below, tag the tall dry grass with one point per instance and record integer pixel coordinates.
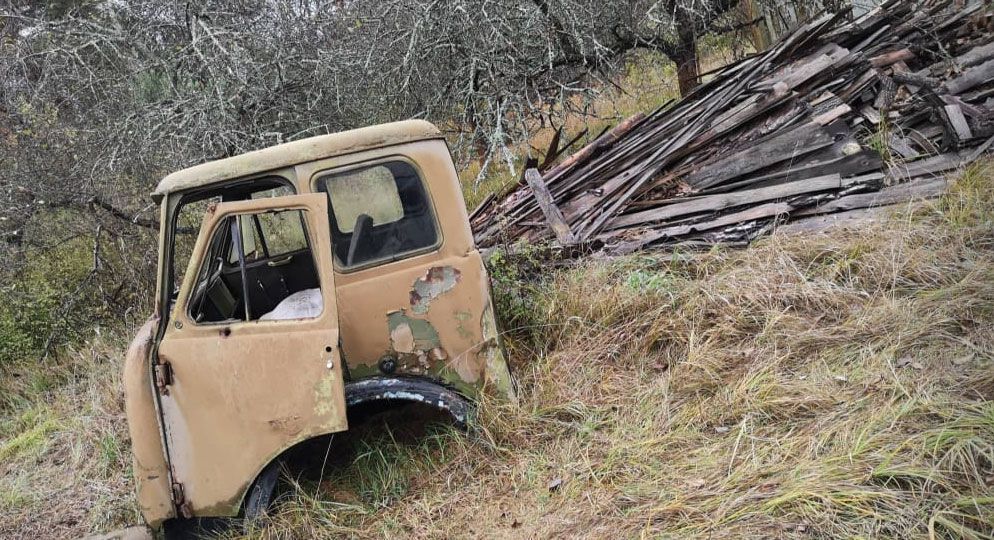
(65, 461)
(819, 386)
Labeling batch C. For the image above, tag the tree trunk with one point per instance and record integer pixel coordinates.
(757, 32)
(685, 56)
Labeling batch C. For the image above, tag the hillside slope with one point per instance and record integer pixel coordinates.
(828, 385)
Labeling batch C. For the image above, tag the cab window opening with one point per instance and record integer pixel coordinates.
(378, 213)
(280, 281)
(189, 215)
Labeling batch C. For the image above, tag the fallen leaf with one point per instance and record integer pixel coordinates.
(722, 429)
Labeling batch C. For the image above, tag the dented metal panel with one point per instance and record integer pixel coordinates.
(243, 392)
(434, 306)
(151, 473)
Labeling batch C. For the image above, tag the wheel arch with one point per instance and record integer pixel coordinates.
(360, 395)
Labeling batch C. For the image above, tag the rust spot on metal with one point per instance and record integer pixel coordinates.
(436, 281)
(414, 341)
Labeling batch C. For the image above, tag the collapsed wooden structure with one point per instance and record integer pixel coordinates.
(838, 115)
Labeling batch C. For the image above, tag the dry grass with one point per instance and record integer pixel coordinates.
(65, 462)
(832, 385)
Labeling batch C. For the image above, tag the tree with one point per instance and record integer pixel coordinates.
(101, 98)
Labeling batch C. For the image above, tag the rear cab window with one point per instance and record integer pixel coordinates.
(378, 213)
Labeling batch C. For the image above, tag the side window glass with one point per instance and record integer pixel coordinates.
(283, 232)
(277, 280)
(378, 213)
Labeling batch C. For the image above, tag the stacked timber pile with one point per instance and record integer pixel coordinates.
(837, 116)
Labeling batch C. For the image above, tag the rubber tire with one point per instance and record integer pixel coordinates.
(261, 494)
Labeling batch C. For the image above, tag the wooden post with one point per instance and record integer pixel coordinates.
(552, 214)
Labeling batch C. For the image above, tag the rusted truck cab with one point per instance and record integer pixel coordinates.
(295, 283)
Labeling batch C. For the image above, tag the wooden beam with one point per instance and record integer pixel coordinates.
(552, 214)
(721, 201)
(892, 57)
(971, 78)
(958, 122)
(781, 147)
(916, 190)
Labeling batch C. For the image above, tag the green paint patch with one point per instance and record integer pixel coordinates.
(408, 335)
(461, 318)
(436, 281)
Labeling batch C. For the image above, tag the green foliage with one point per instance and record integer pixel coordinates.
(879, 140)
(515, 292)
(31, 432)
(33, 302)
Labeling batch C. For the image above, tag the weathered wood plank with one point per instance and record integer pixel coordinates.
(603, 141)
(893, 57)
(552, 214)
(920, 189)
(958, 121)
(782, 147)
(850, 219)
(976, 55)
(722, 201)
(848, 165)
(757, 212)
(832, 115)
(971, 78)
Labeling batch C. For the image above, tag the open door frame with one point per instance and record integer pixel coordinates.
(236, 394)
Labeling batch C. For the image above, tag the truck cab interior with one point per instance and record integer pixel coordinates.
(253, 263)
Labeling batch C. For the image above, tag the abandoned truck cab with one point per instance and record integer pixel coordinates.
(295, 284)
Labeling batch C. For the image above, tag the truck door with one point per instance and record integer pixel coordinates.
(249, 364)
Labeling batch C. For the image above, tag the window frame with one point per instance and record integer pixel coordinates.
(168, 273)
(218, 228)
(315, 187)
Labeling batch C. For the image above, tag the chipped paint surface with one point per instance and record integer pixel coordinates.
(436, 281)
(497, 370)
(415, 342)
(151, 472)
(324, 394)
(409, 335)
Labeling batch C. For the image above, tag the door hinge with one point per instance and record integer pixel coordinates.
(163, 377)
(179, 499)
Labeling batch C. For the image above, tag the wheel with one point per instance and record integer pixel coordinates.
(262, 492)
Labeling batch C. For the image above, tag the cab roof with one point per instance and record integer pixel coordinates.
(291, 153)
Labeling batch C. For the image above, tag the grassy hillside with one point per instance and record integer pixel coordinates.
(833, 385)
(829, 385)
